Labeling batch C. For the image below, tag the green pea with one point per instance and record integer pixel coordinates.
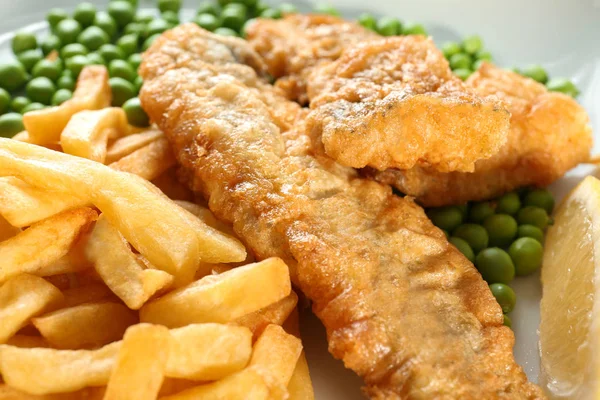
(93, 37)
(32, 107)
(209, 7)
(19, 103)
(158, 25)
(562, 85)
(234, 15)
(66, 82)
(50, 43)
(272, 13)
(535, 216)
(134, 3)
(472, 44)
(260, 7)
(148, 42)
(288, 8)
(40, 89)
(135, 28)
(222, 31)
(171, 17)
(84, 14)
(474, 234)
(4, 101)
(56, 15)
(464, 209)
(11, 124)
(536, 72)
(169, 5)
(95, 59)
(128, 44)
(507, 321)
(526, 254)
(368, 21)
(110, 52)
(76, 64)
(495, 265)
(137, 83)
(107, 23)
(325, 8)
(463, 73)
(514, 69)
(505, 296)
(501, 229)
(247, 25)
(463, 247)
(136, 115)
(12, 76)
(447, 218)
(483, 55)
(451, 48)
(29, 58)
(121, 11)
(23, 41)
(72, 50)
(540, 198)
(68, 30)
(207, 21)
(510, 204)
(530, 231)
(388, 26)
(61, 96)
(461, 61)
(121, 69)
(249, 3)
(50, 69)
(122, 91)
(477, 64)
(411, 28)
(480, 211)
(143, 17)
(135, 60)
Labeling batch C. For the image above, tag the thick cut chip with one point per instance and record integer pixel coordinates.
(92, 93)
(221, 298)
(7, 230)
(139, 370)
(206, 216)
(44, 242)
(275, 313)
(119, 267)
(94, 292)
(170, 237)
(43, 371)
(75, 261)
(27, 342)
(9, 393)
(300, 386)
(128, 144)
(85, 326)
(21, 298)
(88, 132)
(171, 386)
(149, 161)
(170, 185)
(206, 352)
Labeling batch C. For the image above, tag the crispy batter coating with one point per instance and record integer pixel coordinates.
(294, 45)
(549, 134)
(402, 307)
(395, 103)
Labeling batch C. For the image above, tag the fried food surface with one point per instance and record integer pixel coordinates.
(294, 45)
(402, 307)
(549, 134)
(394, 103)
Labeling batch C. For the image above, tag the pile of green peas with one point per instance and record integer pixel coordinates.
(503, 237)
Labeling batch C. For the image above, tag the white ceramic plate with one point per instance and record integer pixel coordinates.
(561, 35)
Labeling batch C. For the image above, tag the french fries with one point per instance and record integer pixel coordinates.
(128, 144)
(206, 352)
(27, 342)
(85, 326)
(91, 293)
(221, 298)
(139, 370)
(49, 240)
(275, 313)
(6, 229)
(9, 393)
(120, 269)
(300, 386)
(149, 161)
(87, 133)
(91, 93)
(21, 298)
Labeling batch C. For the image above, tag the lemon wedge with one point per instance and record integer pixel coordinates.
(570, 307)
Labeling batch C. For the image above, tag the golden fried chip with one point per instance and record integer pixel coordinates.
(149, 161)
(275, 313)
(42, 371)
(92, 93)
(9, 393)
(44, 242)
(27, 342)
(170, 185)
(170, 237)
(6, 229)
(23, 137)
(85, 326)
(74, 262)
(120, 269)
(139, 370)
(221, 298)
(206, 352)
(21, 298)
(93, 292)
(128, 144)
(171, 386)
(300, 386)
(88, 132)
(206, 216)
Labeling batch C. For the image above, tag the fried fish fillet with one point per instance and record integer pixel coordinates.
(294, 45)
(549, 134)
(402, 307)
(395, 103)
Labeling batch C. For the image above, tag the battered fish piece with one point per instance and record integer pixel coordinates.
(402, 307)
(294, 45)
(549, 134)
(395, 103)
